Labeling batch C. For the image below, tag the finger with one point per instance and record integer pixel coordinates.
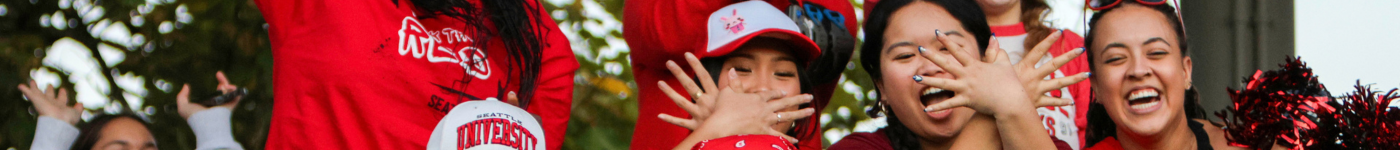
(1058, 83)
(704, 75)
(734, 80)
(956, 101)
(512, 99)
(959, 52)
(794, 115)
(790, 139)
(62, 96)
(772, 94)
(941, 61)
(1039, 50)
(990, 55)
(183, 98)
(1045, 101)
(1059, 62)
(687, 123)
(680, 101)
(943, 83)
(790, 102)
(224, 85)
(26, 91)
(49, 92)
(683, 78)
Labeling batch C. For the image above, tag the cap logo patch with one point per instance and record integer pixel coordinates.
(734, 23)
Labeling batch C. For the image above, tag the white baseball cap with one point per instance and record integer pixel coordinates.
(732, 26)
(487, 124)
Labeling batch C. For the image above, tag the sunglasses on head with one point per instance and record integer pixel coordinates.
(1105, 4)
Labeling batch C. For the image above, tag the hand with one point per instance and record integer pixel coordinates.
(700, 109)
(186, 108)
(737, 113)
(1033, 79)
(52, 103)
(986, 85)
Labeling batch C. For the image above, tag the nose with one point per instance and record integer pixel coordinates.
(1139, 69)
(759, 82)
(928, 68)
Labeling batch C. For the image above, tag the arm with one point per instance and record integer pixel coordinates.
(212, 131)
(210, 124)
(553, 97)
(55, 129)
(53, 134)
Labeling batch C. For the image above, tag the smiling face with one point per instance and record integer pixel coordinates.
(1140, 72)
(125, 134)
(764, 64)
(911, 27)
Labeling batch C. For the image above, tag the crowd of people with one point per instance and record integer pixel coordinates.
(719, 74)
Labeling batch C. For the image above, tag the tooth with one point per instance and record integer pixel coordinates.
(931, 91)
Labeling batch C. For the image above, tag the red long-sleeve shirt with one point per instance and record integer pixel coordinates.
(371, 74)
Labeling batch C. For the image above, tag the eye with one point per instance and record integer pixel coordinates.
(1156, 53)
(743, 69)
(903, 56)
(785, 74)
(1112, 59)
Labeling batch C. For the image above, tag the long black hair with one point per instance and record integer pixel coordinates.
(1100, 124)
(965, 11)
(516, 23)
(89, 134)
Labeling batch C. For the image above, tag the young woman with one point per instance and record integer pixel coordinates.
(1017, 25)
(57, 128)
(661, 31)
(752, 48)
(948, 106)
(1142, 81)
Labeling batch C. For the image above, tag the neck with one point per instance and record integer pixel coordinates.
(1175, 136)
(1001, 16)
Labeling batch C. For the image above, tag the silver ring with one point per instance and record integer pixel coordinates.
(780, 116)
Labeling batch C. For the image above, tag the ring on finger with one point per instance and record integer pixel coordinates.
(780, 116)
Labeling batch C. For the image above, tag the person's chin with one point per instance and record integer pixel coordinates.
(1150, 124)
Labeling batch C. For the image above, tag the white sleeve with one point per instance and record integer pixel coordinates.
(212, 129)
(53, 134)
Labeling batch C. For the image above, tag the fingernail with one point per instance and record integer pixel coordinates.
(928, 109)
(1082, 50)
(918, 78)
(937, 33)
(1088, 74)
(921, 49)
(809, 97)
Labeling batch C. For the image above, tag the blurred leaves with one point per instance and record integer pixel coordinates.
(128, 56)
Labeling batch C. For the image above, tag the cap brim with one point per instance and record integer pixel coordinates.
(803, 46)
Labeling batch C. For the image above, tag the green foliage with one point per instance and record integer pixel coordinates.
(140, 53)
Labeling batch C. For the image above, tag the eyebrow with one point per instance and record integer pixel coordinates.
(1156, 39)
(1116, 45)
(897, 45)
(117, 142)
(952, 33)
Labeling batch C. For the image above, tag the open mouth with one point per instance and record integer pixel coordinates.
(932, 95)
(1144, 100)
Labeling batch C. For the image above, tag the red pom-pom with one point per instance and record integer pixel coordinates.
(1289, 108)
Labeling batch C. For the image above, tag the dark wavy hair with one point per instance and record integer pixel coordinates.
(516, 24)
(1100, 124)
(965, 11)
(89, 134)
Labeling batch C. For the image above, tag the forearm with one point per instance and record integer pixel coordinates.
(212, 129)
(1020, 128)
(51, 133)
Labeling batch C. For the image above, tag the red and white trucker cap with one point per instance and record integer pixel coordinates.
(732, 26)
(487, 125)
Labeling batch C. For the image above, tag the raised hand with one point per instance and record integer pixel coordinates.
(1033, 79)
(187, 108)
(704, 96)
(987, 85)
(52, 103)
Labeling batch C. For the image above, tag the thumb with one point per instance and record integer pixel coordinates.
(512, 99)
(184, 97)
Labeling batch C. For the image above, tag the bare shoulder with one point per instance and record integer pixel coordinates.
(1217, 136)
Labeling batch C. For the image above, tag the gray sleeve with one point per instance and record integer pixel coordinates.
(212, 129)
(53, 134)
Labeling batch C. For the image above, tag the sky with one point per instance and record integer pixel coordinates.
(1344, 42)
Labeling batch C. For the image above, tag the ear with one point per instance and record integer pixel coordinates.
(880, 88)
(1186, 64)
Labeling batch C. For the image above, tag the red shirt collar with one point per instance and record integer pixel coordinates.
(1009, 30)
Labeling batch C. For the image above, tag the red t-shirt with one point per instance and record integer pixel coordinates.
(372, 75)
(865, 141)
(661, 30)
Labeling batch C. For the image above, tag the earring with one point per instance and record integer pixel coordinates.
(877, 110)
